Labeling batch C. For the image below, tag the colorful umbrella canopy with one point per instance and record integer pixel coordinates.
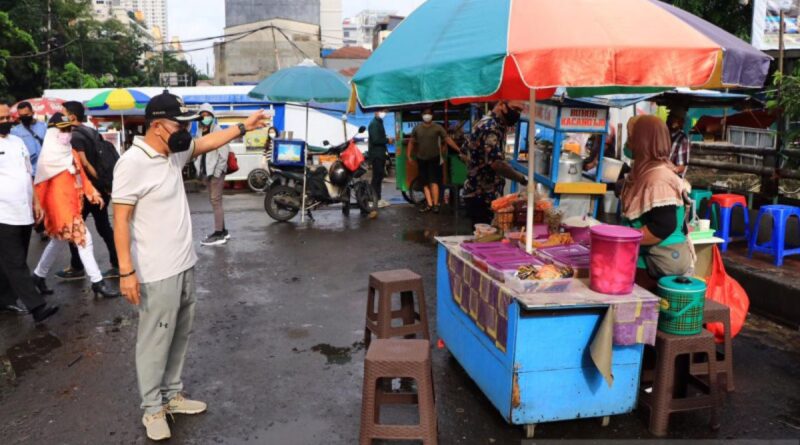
(476, 49)
(118, 99)
(303, 83)
(42, 106)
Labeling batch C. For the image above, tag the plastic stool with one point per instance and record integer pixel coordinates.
(387, 359)
(722, 224)
(386, 284)
(697, 196)
(670, 379)
(714, 312)
(776, 246)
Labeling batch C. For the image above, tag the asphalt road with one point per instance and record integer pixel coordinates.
(277, 352)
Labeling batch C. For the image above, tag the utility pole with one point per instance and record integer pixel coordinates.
(47, 46)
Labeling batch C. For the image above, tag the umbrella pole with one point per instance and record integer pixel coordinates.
(122, 136)
(531, 179)
(305, 174)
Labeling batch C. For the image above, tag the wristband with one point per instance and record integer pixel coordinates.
(131, 273)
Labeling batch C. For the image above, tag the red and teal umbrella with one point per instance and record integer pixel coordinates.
(119, 99)
(477, 49)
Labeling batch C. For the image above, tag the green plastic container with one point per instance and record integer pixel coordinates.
(682, 302)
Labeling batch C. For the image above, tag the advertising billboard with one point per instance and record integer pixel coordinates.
(766, 24)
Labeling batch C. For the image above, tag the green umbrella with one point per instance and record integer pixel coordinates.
(304, 83)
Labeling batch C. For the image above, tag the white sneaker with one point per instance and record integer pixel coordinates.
(156, 425)
(182, 405)
(382, 204)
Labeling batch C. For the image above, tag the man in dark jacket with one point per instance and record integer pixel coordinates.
(377, 153)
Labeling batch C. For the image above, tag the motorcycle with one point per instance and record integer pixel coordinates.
(325, 186)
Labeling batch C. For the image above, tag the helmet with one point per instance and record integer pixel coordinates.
(338, 174)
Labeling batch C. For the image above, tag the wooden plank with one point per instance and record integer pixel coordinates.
(580, 188)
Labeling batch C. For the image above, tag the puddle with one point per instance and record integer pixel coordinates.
(24, 356)
(338, 355)
(114, 325)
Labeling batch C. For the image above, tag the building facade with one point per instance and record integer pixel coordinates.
(360, 30)
(153, 13)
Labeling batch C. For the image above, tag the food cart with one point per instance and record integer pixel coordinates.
(489, 329)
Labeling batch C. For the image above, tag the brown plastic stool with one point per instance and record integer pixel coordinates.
(718, 313)
(670, 379)
(386, 284)
(393, 358)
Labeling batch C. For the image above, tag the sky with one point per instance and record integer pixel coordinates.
(193, 19)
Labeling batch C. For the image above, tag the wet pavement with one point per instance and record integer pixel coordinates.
(277, 348)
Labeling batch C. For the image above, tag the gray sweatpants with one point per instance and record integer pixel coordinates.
(166, 313)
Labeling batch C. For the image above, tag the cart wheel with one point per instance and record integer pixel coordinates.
(606, 421)
(415, 195)
(530, 429)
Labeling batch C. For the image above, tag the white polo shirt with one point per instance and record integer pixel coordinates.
(16, 183)
(161, 227)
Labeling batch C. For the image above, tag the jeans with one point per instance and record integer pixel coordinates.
(104, 229)
(378, 172)
(15, 277)
(53, 250)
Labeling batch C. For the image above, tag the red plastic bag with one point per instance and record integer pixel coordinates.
(233, 163)
(352, 157)
(723, 289)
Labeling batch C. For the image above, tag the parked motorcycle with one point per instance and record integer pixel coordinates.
(326, 186)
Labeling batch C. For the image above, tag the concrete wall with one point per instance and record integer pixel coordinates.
(240, 12)
(252, 58)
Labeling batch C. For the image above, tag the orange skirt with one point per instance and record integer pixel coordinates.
(61, 198)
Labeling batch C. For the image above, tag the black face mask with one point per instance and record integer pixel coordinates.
(511, 117)
(26, 120)
(5, 128)
(179, 141)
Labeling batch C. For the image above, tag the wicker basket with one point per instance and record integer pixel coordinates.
(682, 303)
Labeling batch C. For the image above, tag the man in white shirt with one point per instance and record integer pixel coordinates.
(153, 236)
(18, 211)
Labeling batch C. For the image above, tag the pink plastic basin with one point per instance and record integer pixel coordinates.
(614, 252)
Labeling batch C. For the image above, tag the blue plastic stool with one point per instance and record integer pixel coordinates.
(726, 203)
(776, 246)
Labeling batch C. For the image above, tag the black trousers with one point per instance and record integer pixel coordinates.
(104, 229)
(15, 277)
(479, 211)
(378, 173)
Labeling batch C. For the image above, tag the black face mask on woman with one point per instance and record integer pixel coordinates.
(179, 141)
(511, 117)
(5, 128)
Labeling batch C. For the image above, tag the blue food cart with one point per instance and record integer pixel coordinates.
(543, 357)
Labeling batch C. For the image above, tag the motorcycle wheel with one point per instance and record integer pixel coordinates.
(258, 180)
(366, 198)
(277, 211)
(415, 194)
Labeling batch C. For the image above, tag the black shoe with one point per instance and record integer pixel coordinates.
(436, 209)
(70, 274)
(43, 312)
(41, 285)
(226, 234)
(214, 239)
(102, 291)
(111, 273)
(13, 309)
(425, 209)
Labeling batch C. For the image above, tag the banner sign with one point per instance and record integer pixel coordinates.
(583, 119)
(766, 24)
(546, 115)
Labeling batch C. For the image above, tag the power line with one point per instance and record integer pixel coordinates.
(44, 53)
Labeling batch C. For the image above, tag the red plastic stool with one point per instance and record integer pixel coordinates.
(722, 224)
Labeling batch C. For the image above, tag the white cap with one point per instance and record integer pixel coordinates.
(207, 108)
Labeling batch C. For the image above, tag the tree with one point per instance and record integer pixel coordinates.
(729, 15)
(16, 75)
(73, 77)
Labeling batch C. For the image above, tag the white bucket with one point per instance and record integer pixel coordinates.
(611, 169)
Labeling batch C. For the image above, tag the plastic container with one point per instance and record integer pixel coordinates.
(579, 227)
(576, 256)
(611, 169)
(682, 302)
(533, 286)
(497, 269)
(470, 249)
(614, 252)
(481, 259)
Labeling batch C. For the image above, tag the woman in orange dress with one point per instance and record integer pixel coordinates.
(61, 185)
